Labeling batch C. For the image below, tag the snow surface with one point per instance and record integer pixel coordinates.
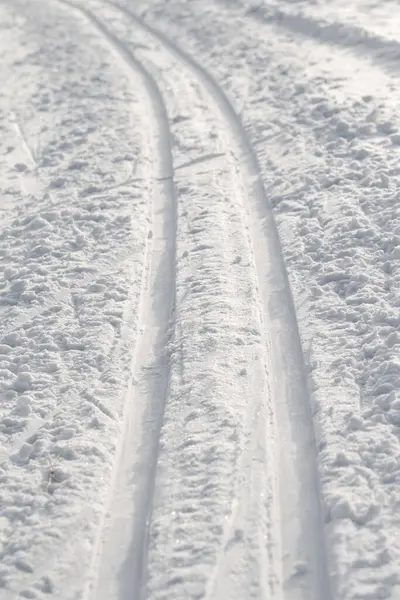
(200, 333)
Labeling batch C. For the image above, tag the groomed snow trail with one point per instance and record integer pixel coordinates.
(258, 455)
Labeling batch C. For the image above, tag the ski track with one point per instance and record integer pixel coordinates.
(238, 566)
(302, 556)
(125, 523)
(364, 548)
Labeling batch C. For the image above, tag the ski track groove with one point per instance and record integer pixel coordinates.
(149, 366)
(279, 304)
(294, 417)
(232, 553)
(279, 308)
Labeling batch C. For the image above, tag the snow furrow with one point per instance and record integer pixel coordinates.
(124, 526)
(245, 552)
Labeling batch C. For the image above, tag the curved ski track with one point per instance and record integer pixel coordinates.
(127, 511)
(300, 541)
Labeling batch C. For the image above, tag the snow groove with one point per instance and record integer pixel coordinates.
(128, 511)
(301, 519)
(244, 551)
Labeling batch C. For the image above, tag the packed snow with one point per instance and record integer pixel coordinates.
(200, 332)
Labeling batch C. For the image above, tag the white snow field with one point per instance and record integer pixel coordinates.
(200, 300)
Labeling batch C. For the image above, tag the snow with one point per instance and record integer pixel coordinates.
(72, 258)
(199, 343)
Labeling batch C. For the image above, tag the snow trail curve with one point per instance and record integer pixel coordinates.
(119, 567)
(301, 518)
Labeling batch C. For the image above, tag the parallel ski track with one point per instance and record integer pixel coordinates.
(250, 560)
(301, 521)
(127, 511)
(301, 518)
